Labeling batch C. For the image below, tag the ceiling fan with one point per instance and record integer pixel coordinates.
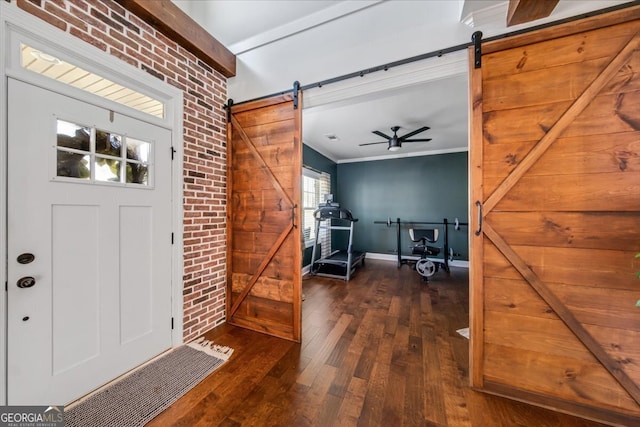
(395, 141)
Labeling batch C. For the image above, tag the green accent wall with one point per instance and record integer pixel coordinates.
(317, 161)
(426, 188)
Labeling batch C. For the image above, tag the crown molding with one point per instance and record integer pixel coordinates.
(488, 16)
(401, 155)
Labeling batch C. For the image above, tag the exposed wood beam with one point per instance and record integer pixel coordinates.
(168, 18)
(521, 11)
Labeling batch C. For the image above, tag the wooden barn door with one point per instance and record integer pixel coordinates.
(555, 170)
(264, 250)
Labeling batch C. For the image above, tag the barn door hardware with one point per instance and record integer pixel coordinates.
(476, 38)
(479, 206)
(293, 216)
(296, 89)
(227, 107)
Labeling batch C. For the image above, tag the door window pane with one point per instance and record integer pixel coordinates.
(97, 155)
(73, 165)
(108, 143)
(137, 173)
(138, 150)
(71, 135)
(107, 170)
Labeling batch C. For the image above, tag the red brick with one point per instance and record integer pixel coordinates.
(155, 58)
(140, 23)
(80, 4)
(167, 41)
(114, 6)
(47, 17)
(174, 53)
(121, 55)
(124, 39)
(85, 17)
(86, 37)
(139, 40)
(108, 40)
(104, 18)
(101, 7)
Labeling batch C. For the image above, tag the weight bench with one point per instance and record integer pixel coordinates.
(425, 267)
(422, 236)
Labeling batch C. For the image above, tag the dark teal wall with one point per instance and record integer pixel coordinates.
(427, 188)
(317, 161)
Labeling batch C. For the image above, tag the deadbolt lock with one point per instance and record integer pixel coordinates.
(25, 258)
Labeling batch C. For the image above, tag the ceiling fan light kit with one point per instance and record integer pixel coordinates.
(395, 142)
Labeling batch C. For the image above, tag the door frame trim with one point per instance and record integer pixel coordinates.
(17, 25)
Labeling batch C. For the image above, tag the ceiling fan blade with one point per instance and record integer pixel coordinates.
(374, 143)
(416, 140)
(377, 132)
(415, 132)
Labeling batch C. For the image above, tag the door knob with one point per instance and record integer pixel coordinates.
(26, 282)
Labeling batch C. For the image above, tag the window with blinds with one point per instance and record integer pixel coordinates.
(315, 185)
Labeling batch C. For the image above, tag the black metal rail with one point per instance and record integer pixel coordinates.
(476, 40)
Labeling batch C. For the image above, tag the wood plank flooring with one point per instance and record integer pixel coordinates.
(380, 350)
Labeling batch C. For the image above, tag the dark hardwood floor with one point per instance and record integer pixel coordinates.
(380, 350)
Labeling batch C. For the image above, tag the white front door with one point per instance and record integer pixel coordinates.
(89, 198)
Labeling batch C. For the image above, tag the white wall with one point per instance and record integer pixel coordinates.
(383, 32)
(360, 35)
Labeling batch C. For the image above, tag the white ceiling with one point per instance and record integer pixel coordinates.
(432, 93)
(440, 104)
(234, 21)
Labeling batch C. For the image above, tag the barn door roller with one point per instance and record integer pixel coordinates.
(227, 107)
(296, 89)
(476, 38)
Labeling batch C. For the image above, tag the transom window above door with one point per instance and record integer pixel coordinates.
(54, 68)
(90, 154)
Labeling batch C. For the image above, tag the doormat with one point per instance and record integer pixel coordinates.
(137, 398)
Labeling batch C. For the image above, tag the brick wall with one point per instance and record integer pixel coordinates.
(111, 28)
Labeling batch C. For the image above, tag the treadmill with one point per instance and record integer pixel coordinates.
(340, 264)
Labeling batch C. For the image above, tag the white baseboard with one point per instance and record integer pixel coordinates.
(383, 257)
(459, 263)
(394, 258)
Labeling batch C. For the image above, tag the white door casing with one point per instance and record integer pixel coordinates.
(101, 303)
